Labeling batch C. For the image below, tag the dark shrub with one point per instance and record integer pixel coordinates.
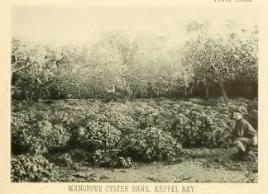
(150, 144)
(98, 135)
(31, 168)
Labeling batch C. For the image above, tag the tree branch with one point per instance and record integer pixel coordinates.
(20, 68)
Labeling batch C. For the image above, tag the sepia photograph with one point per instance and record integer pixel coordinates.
(152, 94)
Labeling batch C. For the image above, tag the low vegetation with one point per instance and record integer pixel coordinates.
(147, 130)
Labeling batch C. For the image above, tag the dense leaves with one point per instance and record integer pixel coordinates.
(115, 134)
(151, 144)
(30, 168)
(218, 60)
(37, 136)
(116, 66)
(95, 125)
(98, 135)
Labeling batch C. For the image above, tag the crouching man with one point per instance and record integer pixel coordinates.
(244, 134)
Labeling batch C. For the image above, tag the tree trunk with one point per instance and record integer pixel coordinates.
(207, 92)
(223, 92)
(185, 90)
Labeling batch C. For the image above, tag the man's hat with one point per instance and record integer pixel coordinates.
(241, 110)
